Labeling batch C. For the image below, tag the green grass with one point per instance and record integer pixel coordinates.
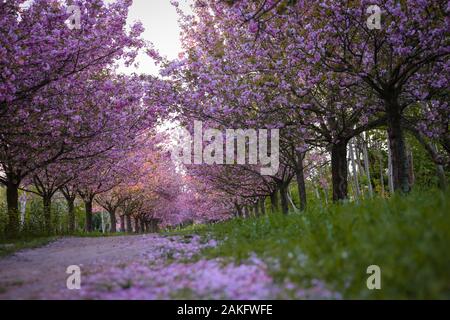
(9, 247)
(408, 237)
(99, 234)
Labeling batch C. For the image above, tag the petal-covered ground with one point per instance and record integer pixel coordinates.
(141, 267)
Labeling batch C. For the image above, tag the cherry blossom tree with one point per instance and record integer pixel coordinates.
(404, 62)
(290, 66)
(45, 66)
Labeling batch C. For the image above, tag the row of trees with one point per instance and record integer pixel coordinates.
(337, 89)
(70, 124)
(318, 72)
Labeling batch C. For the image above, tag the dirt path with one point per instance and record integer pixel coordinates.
(39, 273)
(141, 267)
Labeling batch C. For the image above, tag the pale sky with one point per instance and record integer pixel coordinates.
(160, 21)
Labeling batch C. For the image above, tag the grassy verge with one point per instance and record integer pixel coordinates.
(9, 247)
(407, 237)
(99, 234)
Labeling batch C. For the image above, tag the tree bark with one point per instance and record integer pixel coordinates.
(262, 203)
(88, 210)
(274, 206)
(411, 176)
(70, 197)
(397, 146)
(339, 171)
(122, 223)
(316, 191)
(129, 226)
(434, 155)
(390, 174)
(112, 218)
(380, 159)
(357, 190)
(142, 225)
(357, 150)
(153, 225)
(284, 199)
(12, 199)
(442, 179)
(47, 202)
(245, 212)
(71, 212)
(238, 209)
(300, 175)
(256, 210)
(367, 165)
(150, 226)
(136, 225)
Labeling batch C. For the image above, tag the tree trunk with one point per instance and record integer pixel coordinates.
(88, 210)
(122, 223)
(129, 226)
(434, 155)
(339, 171)
(71, 212)
(357, 150)
(289, 196)
(398, 150)
(284, 199)
(136, 225)
(12, 199)
(274, 207)
(245, 212)
(47, 202)
(142, 225)
(262, 203)
(102, 222)
(300, 175)
(316, 190)
(380, 158)
(440, 171)
(357, 190)
(150, 226)
(367, 165)
(411, 176)
(238, 209)
(153, 226)
(112, 218)
(442, 179)
(256, 206)
(390, 174)
(23, 209)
